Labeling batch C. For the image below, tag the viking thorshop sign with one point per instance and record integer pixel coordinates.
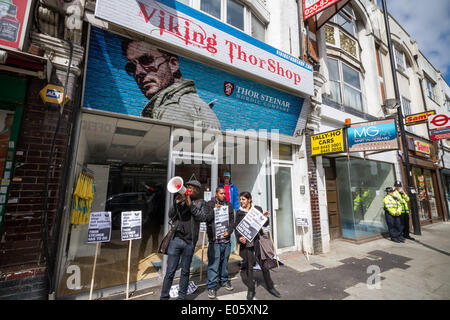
(371, 136)
(177, 24)
(131, 225)
(251, 224)
(99, 229)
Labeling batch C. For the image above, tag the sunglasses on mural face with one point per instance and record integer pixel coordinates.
(146, 63)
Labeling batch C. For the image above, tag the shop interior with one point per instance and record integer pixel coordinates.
(128, 163)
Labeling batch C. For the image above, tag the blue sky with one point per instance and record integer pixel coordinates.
(427, 22)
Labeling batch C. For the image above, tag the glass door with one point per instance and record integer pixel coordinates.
(283, 207)
(422, 199)
(431, 194)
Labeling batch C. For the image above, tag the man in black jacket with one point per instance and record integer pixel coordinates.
(219, 247)
(188, 212)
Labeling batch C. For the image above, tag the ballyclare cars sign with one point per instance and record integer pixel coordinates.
(178, 25)
(418, 118)
(328, 142)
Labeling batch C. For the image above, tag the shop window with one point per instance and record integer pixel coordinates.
(345, 84)
(361, 185)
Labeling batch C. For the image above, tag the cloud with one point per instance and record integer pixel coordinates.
(427, 22)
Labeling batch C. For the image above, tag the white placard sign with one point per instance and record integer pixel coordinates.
(202, 226)
(251, 224)
(173, 293)
(99, 229)
(131, 228)
(221, 221)
(301, 221)
(178, 25)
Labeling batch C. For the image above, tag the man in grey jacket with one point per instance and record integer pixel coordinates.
(171, 97)
(188, 211)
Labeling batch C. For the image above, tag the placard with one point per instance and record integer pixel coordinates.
(202, 226)
(99, 229)
(131, 228)
(251, 224)
(221, 221)
(372, 136)
(173, 293)
(301, 221)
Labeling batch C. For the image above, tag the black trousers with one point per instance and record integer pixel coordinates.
(395, 226)
(405, 223)
(249, 270)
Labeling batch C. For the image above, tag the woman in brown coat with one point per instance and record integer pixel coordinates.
(250, 251)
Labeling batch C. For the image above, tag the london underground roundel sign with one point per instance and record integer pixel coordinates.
(439, 125)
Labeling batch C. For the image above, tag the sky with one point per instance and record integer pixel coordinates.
(427, 22)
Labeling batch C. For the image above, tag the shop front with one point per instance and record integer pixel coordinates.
(148, 114)
(423, 159)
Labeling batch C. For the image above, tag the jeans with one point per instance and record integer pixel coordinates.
(218, 255)
(395, 226)
(178, 248)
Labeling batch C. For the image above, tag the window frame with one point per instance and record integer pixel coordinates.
(399, 67)
(402, 103)
(430, 87)
(342, 83)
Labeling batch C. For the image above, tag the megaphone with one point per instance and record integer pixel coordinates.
(176, 185)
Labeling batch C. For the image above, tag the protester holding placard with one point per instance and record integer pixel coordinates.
(220, 225)
(187, 212)
(250, 250)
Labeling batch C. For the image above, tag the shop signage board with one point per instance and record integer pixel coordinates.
(301, 221)
(131, 228)
(251, 224)
(328, 142)
(234, 102)
(418, 118)
(422, 147)
(14, 16)
(313, 7)
(372, 136)
(179, 25)
(221, 220)
(99, 229)
(439, 126)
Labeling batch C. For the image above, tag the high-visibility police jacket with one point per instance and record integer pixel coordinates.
(403, 199)
(391, 205)
(363, 201)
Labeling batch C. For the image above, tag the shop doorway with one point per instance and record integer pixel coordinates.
(283, 218)
(427, 202)
(334, 218)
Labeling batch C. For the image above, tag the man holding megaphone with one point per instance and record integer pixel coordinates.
(187, 212)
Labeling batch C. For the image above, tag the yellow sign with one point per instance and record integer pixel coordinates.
(418, 118)
(53, 94)
(422, 147)
(328, 142)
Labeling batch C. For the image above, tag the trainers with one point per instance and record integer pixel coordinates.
(227, 285)
(211, 293)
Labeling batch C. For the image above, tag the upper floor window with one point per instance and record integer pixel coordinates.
(447, 105)
(232, 12)
(430, 88)
(406, 106)
(345, 84)
(400, 60)
(346, 19)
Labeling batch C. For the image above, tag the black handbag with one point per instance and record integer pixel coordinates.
(164, 245)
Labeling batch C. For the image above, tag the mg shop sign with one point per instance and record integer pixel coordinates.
(177, 24)
(371, 136)
(439, 126)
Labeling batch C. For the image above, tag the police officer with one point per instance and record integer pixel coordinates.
(404, 199)
(393, 211)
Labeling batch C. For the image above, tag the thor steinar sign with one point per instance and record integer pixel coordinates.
(180, 25)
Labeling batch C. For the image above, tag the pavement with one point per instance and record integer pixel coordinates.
(375, 270)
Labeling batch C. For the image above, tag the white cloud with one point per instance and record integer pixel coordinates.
(428, 22)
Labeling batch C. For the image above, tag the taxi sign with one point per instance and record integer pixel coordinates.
(328, 142)
(53, 94)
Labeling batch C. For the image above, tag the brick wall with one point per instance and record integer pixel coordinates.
(314, 196)
(22, 260)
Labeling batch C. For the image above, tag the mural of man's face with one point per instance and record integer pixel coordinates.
(152, 70)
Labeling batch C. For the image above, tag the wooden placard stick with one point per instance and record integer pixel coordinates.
(128, 273)
(93, 270)
(203, 248)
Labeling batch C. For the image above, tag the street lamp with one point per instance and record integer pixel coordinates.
(411, 191)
